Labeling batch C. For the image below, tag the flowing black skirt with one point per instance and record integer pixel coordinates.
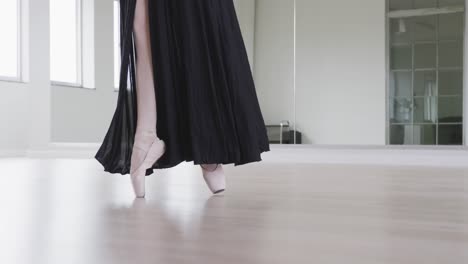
(207, 106)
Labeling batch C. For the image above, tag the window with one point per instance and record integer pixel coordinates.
(10, 43)
(65, 42)
(426, 72)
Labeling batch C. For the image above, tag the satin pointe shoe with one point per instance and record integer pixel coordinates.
(214, 177)
(149, 156)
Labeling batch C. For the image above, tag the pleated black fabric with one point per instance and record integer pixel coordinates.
(207, 106)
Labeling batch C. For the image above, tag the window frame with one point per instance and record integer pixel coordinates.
(389, 14)
(79, 51)
(19, 53)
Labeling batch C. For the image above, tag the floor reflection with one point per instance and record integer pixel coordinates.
(70, 211)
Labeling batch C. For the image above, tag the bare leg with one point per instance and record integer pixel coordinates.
(147, 147)
(146, 122)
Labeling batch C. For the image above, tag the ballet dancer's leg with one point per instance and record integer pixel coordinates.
(147, 146)
(214, 177)
(146, 142)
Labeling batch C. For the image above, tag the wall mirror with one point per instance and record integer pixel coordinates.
(365, 72)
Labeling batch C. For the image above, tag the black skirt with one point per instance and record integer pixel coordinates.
(207, 106)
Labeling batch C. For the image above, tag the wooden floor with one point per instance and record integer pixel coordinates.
(69, 211)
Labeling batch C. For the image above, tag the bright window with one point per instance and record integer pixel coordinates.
(65, 41)
(9, 44)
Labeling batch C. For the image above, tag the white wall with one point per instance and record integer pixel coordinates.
(245, 10)
(341, 71)
(274, 59)
(39, 94)
(14, 119)
(25, 107)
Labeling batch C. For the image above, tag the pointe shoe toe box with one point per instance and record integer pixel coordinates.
(215, 180)
(138, 175)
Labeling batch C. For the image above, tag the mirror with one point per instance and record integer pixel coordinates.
(268, 29)
(346, 73)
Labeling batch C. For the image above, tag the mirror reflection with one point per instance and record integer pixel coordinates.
(333, 72)
(426, 73)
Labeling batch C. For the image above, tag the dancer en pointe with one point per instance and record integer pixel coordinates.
(191, 95)
(148, 148)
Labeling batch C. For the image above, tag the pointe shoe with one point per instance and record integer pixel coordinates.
(215, 179)
(155, 151)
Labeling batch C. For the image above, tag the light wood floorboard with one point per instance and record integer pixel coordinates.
(69, 211)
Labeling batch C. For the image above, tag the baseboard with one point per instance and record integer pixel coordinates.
(444, 156)
(312, 154)
(66, 150)
(12, 153)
